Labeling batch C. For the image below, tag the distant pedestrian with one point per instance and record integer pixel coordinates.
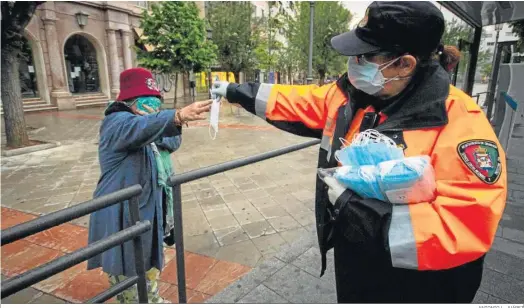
(449, 58)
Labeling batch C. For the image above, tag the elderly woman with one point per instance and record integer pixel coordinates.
(136, 140)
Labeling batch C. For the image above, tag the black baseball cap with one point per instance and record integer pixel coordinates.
(396, 26)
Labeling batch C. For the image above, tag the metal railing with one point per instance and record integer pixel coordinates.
(477, 96)
(176, 180)
(18, 232)
(17, 283)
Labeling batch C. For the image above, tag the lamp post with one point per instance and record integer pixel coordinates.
(310, 57)
(209, 37)
(81, 19)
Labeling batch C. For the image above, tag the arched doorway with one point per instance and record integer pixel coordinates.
(27, 71)
(81, 65)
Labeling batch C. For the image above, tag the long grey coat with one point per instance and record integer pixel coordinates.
(126, 159)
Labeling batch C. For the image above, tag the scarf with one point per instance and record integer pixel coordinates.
(165, 169)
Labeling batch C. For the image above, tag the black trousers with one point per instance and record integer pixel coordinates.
(362, 278)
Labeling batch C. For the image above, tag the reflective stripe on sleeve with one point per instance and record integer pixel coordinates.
(261, 100)
(324, 144)
(402, 243)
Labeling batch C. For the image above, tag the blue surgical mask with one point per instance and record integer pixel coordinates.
(367, 76)
(367, 154)
(362, 180)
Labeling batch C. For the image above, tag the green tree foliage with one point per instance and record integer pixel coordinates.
(331, 18)
(178, 36)
(518, 29)
(287, 58)
(267, 58)
(456, 30)
(269, 48)
(236, 33)
(484, 61)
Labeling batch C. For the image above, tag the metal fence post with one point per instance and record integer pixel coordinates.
(139, 254)
(179, 242)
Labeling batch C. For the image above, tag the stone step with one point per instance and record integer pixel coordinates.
(35, 107)
(46, 107)
(34, 103)
(92, 103)
(34, 100)
(91, 100)
(89, 97)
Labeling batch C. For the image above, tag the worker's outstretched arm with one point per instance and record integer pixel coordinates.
(297, 109)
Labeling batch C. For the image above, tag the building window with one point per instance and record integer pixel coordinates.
(81, 65)
(509, 33)
(142, 4)
(486, 35)
(491, 43)
(26, 68)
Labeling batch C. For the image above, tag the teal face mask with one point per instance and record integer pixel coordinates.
(150, 101)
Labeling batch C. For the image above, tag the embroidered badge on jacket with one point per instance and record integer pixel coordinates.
(482, 158)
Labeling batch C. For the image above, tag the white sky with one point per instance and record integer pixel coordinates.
(358, 8)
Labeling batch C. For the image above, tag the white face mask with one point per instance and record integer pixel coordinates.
(213, 117)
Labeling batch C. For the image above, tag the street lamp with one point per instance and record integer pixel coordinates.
(310, 57)
(81, 19)
(209, 38)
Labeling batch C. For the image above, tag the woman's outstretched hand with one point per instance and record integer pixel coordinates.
(193, 112)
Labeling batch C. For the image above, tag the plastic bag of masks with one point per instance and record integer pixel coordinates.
(374, 167)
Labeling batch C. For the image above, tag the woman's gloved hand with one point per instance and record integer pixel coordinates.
(335, 189)
(220, 88)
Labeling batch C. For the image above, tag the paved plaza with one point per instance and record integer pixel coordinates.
(256, 221)
(242, 217)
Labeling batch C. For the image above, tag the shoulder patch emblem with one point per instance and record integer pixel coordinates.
(482, 158)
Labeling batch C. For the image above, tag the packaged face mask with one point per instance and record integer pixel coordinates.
(150, 101)
(213, 118)
(408, 180)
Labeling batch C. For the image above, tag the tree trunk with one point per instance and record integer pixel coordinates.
(184, 84)
(237, 76)
(322, 76)
(14, 120)
(176, 89)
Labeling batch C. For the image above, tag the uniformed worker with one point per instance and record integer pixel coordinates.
(424, 253)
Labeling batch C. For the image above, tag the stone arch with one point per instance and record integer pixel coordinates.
(101, 59)
(40, 69)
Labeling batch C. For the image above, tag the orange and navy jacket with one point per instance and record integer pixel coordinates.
(433, 119)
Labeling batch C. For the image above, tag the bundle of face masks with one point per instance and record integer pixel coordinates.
(374, 167)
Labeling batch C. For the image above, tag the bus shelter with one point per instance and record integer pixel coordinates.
(504, 105)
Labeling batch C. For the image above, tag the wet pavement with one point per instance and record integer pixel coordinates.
(240, 217)
(292, 276)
